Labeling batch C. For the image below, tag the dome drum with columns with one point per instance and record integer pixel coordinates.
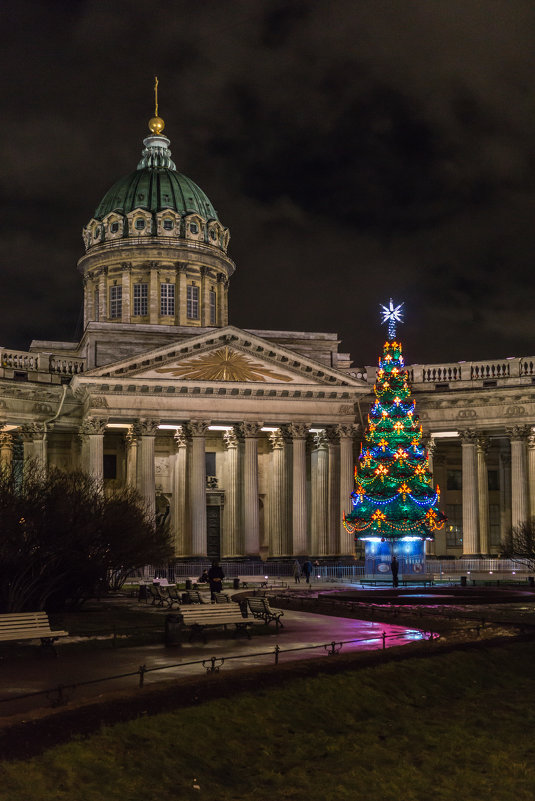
(156, 251)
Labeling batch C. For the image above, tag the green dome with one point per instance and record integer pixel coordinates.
(155, 189)
(156, 185)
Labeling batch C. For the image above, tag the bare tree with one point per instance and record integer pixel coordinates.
(519, 545)
(61, 536)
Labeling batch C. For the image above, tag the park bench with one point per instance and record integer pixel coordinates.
(222, 598)
(15, 626)
(261, 610)
(200, 617)
(193, 597)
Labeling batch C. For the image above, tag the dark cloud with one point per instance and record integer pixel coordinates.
(355, 150)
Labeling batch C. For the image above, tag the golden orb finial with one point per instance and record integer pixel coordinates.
(156, 124)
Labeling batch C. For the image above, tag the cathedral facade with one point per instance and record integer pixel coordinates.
(245, 440)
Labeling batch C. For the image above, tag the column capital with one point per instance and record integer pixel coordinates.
(93, 425)
(180, 438)
(468, 436)
(196, 428)
(32, 431)
(231, 439)
(320, 440)
(247, 429)
(347, 430)
(276, 439)
(296, 430)
(148, 427)
(6, 439)
(531, 441)
(483, 444)
(518, 433)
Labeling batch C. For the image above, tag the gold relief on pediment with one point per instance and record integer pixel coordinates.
(224, 364)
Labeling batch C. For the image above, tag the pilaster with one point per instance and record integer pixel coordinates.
(470, 492)
(196, 430)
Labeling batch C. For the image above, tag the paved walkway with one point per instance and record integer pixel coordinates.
(303, 632)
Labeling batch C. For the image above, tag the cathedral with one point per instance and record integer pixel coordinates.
(245, 440)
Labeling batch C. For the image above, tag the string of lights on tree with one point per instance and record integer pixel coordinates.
(393, 497)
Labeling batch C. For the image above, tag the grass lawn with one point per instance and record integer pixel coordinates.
(454, 726)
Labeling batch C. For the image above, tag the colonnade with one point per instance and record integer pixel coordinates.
(309, 484)
(516, 482)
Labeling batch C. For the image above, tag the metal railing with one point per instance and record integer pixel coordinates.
(60, 694)
(274, 570)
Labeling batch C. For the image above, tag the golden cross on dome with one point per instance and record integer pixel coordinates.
(156, 124)
(155, 95)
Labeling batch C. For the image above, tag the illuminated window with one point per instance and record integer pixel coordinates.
(167, 299)
(193, 302)
(454, 525)
(141, 300)
(116, 301)
(213, 307)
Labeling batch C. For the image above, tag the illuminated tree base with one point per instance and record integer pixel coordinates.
(409, 553)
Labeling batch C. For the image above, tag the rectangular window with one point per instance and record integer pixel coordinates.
(210, 463)
(454, 480)
(116, 301)
(495, 537)
(109, 465)
(454, 525)
(494, 480)
(212, 307)
(167, 299)
(141, 300)
(96, 314)
(193, 302)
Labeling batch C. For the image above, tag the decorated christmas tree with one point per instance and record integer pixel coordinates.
(393, 500)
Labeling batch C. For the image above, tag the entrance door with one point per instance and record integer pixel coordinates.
(213, 534)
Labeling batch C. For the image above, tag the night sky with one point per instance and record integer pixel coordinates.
(357, 149)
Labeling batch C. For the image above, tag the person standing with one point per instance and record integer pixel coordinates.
(307, 570)
(215, 578)
(394, 567)
(297, 572)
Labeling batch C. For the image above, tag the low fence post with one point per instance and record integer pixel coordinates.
(141, 671)
(384, 640)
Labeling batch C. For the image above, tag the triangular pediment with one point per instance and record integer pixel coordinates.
(226, 355)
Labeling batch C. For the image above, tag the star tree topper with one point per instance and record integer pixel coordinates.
(391, 315)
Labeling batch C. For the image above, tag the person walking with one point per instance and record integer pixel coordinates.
(297, 572)
(215, 578)
(394, 567)
(307, 570)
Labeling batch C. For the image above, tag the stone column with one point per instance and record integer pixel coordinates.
(483, 485)
(320, 488)
(147, 479)
(250, 433)
(197, 486)
(231, 540)
(6, 451)
(519, 485)
(131, 445)
(505, 494)
(154, 295)
(298, 433)
(126, 309)
(179, 497)
(470, 492)
(333, 493)
(278, 541)
(347, 481)
(92, 434)
(531, 474)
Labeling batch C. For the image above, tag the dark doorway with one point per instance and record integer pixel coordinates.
(213, 526)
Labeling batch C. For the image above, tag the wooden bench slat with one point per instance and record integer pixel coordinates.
(16, 626)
